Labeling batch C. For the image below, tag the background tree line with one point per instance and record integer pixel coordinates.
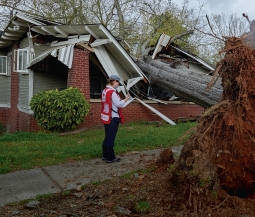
(138, 22)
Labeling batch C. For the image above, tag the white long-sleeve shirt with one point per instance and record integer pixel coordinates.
(116, 103)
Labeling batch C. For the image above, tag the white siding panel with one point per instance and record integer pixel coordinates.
(23, 90)
(165, 40)
(62, 53)
(105, 60)
(5, 90)
(66, 57)
(120, 67)
(54, 53)
(39, 49)
(112, 65)
(24, 43)
(70, 58)
(44, 82)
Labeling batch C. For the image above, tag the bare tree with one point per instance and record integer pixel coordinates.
(9, 8)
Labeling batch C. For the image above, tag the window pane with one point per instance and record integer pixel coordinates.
(20, 67)
(15, 61)
(9, 64)
(3, 65)
(24, 60)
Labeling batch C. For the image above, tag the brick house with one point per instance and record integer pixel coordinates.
(38, 55)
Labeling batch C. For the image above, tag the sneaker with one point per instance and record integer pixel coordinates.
(116, 159)
(104, 158)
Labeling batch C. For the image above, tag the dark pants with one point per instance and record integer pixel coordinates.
(110, 134)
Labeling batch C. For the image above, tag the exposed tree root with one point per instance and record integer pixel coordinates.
(220, 154)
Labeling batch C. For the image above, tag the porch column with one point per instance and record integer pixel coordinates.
(78, 75)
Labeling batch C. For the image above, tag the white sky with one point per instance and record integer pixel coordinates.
(226, 7)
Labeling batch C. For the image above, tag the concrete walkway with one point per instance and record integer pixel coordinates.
(28, 184)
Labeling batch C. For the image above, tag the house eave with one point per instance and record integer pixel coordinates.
(19, 25)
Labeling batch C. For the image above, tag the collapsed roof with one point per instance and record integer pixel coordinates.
(111, 54)
(166, 48)
(63, 38)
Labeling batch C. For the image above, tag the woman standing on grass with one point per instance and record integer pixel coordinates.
(111, 116)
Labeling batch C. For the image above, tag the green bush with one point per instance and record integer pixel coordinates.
(59, 110)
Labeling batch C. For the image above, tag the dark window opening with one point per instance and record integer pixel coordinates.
(97, 80)
(50, 74)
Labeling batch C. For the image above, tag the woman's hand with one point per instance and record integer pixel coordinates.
(127, 98)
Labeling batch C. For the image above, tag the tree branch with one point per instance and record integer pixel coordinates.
(246, 16)
(210, 24)
(210, 34)
(181, 35)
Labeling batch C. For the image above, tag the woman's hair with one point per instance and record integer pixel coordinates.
(110, 81)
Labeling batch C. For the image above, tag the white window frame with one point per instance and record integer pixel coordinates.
(9, 64)
(7, 71)
(16, 68)
(14, 63)
(6, 65)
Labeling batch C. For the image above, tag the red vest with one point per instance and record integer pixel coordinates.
(106, 106)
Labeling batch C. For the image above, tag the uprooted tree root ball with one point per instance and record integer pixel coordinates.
(220, 154)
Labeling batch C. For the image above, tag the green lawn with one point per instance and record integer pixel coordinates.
(20, 151)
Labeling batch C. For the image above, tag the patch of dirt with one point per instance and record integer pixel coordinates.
(146, 192)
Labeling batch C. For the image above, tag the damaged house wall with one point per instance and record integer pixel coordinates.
(49, 68)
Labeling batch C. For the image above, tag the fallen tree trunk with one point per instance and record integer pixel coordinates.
(182, 81)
